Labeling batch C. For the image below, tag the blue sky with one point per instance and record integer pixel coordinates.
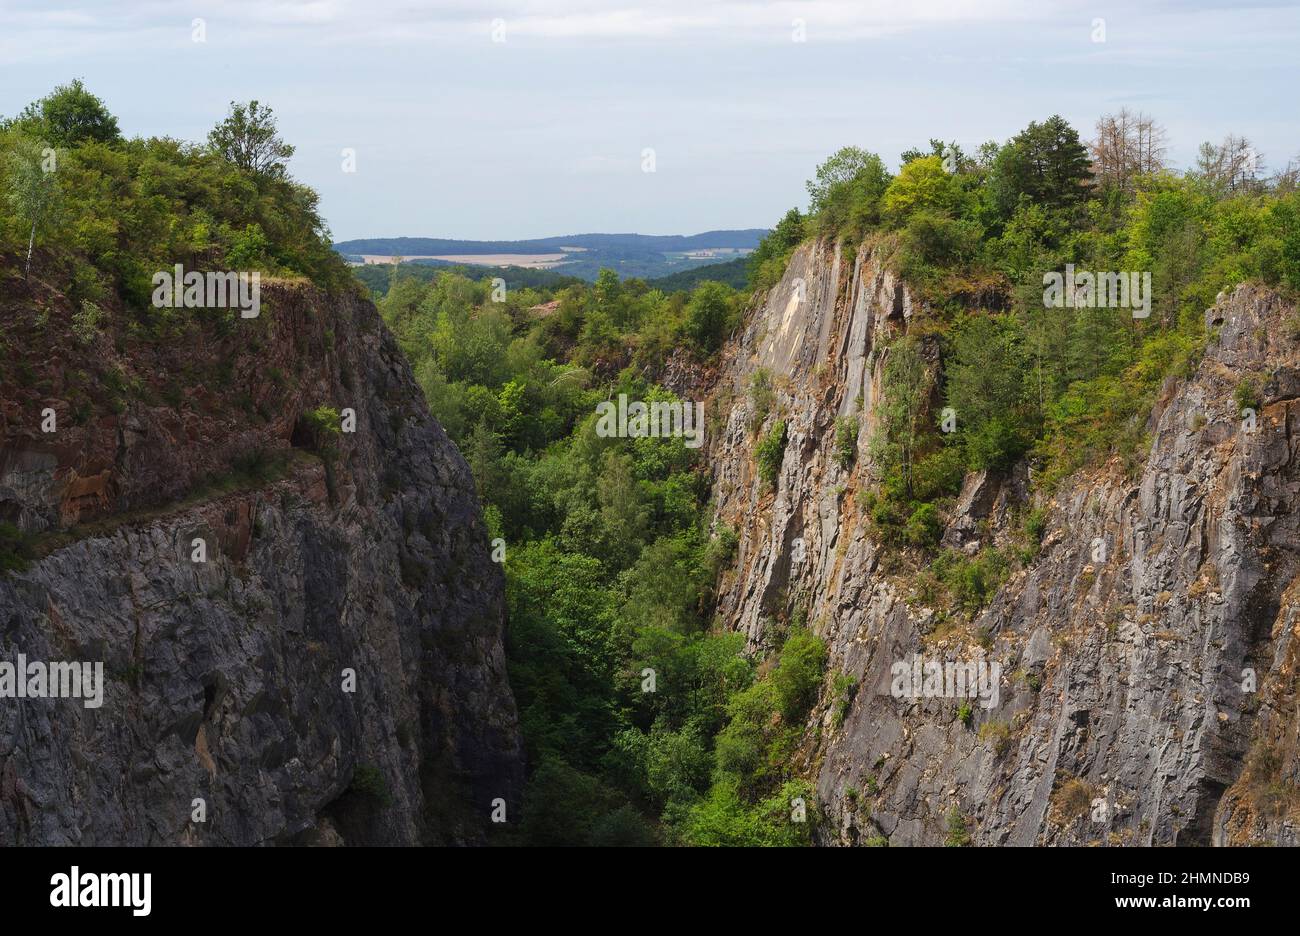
(457, 135)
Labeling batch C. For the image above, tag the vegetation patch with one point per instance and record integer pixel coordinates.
(770, 452)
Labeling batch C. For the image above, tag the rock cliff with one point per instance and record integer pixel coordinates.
(1147, 651)
(332, 672)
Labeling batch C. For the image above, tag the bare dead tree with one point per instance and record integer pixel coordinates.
(1152, 144)
(1127, 145)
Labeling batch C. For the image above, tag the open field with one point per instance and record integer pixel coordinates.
(528, 261)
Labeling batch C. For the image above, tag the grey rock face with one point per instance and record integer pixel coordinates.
(225, 680)
(1123, 645)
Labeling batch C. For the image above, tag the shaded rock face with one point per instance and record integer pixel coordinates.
(333, 673)
(1145, 656)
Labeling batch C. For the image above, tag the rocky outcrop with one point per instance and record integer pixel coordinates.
(330, 670)
(1145, 653)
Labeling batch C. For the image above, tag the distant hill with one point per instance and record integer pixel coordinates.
(735, 273)
(582, 255)
(433, 246)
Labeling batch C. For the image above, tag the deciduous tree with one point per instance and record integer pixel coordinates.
(248, 138)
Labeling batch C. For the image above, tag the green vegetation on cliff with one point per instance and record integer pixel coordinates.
(1064, 384)
(102, 213)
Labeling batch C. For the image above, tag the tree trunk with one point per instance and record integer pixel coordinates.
(31, 240)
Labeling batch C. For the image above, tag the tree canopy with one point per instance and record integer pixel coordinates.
(248, 138)
(68, 116)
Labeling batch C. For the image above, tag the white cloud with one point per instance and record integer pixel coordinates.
(33, 30)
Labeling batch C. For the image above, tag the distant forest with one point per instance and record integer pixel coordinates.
(378, 276)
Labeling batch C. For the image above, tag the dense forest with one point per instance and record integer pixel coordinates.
(664, 729)
(610, 564)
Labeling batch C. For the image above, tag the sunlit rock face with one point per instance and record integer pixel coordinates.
(1146, 653)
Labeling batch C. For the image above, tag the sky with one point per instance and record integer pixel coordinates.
(506, 119)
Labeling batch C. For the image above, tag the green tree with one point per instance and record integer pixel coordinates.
(248, 138)
(68, 116)
(510, 404)
(842, 169)
(952, 153)
(612, 299)
(323, 428)
(985, 388)
(900, 429)
(769, 453)
(798, 674)
(1046, 163)
(33, 191)
(1286, 221)
(847, 190)
(922, 183)
(624, 514)
(768, 261)
(710, 316)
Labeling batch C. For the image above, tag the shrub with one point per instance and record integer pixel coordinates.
(724, 818)
(958, 835)
(770, 452)
(15, 549)
(923, 528)
(972, 580)
(843, 689)
(1270, 793)
(1247, 395)
(1072, 800)
(768, 261)
(1035, 524)
(322, 427)
(761, 397)
(257, 465)
(846, 440)
(968, 581)
(931, 243)
(798, 674)
(368, 781)
(623, 827)
(939, 474)
(996, 734)
(85, 322)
